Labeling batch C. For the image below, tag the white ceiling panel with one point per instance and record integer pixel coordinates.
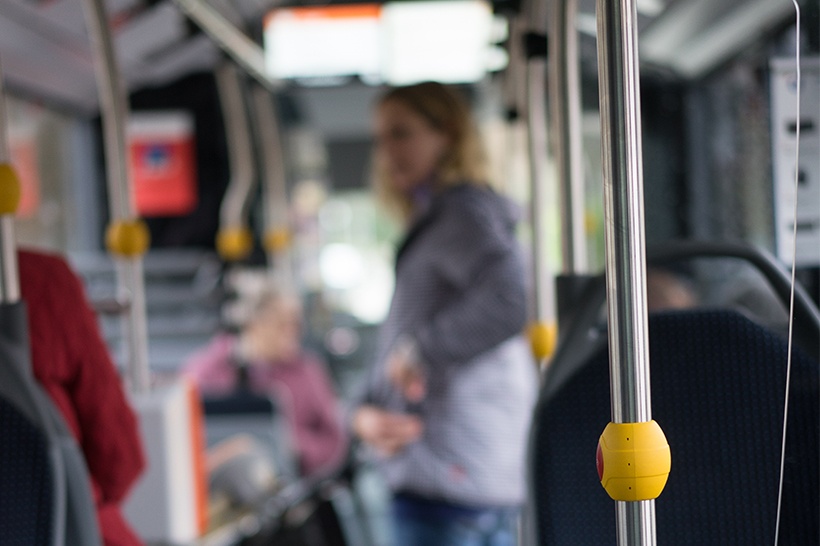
(44, 48)
(47, 60)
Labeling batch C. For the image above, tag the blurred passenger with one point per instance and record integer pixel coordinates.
(448, 402)
(667, 289)
(71, 361)
(268, 356)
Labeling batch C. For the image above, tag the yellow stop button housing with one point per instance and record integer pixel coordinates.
(634, 460)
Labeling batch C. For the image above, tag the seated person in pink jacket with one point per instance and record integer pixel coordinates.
(268, 355)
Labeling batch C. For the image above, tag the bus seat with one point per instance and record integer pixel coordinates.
(717, 265)
(26, 505)
(718, 387)
(717, 392)
(46, 498)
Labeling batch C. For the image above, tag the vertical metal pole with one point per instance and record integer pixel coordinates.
(623, 195)
(9, 273)
(535, 80)
(619, 97)
(10, 278)
(275, 183)
(565, 95)
(240, 152)
(114, 110)
(537, 143)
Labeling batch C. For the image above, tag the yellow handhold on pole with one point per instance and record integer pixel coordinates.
(634, 460)
(277, 240)
(592, 222)
(10, 189)
(127, 238)
(543, 337)
(234, 243)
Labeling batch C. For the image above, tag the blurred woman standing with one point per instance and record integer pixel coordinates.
(448, 402)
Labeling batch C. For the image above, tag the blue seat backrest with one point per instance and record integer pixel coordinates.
(718, 387)
(25, 481)
(45, 492)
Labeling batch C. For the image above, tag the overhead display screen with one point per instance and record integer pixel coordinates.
(445, 40)
(394, 43)
(323, 41)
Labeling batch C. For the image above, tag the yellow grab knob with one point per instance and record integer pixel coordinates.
(634, 460)
(542, 338)
(277, 240)
(234, 243)
(9, 189)
(127, 238)
(591, 222)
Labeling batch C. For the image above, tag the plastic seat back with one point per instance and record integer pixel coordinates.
(718, 375)
(718, 387)
(26, 505)
(46, 497)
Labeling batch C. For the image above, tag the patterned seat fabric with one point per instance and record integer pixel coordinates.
(718, 387)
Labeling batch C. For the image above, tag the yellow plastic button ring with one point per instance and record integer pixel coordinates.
(277, 240)
(542, 338)
(235, 243)
(9, 189)
(127, 238)
(634, 460)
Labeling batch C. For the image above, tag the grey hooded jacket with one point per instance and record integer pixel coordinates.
(461, 295)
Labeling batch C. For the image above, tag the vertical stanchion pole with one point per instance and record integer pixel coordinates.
(565, 100)
(10, 281)
(278, 236)
(623, 203)
(626, 277)
(235, 239)
(126, 237)
(537, 138)
(543, 332)
(10, 198)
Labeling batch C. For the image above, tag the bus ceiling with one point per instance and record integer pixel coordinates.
(45, 50)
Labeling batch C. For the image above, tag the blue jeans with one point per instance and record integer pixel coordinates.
(423, 522)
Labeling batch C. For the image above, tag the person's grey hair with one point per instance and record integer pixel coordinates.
(270, 294)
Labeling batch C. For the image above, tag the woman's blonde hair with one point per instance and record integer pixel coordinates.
(447, 111)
